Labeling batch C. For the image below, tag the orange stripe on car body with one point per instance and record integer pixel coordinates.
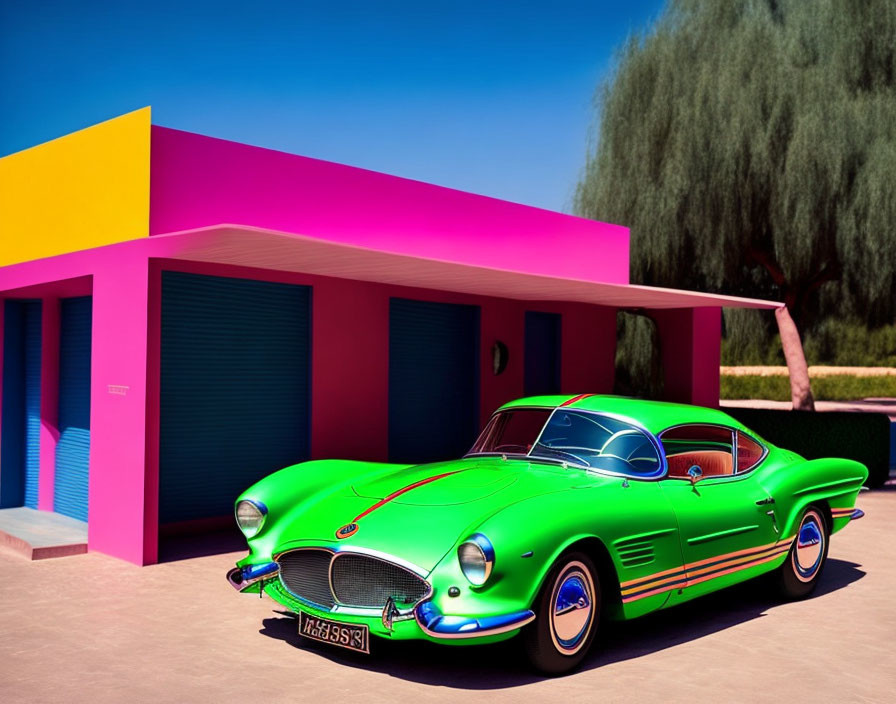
(644, 581)
(723, 564)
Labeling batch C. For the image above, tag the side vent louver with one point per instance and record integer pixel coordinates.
(635, 553)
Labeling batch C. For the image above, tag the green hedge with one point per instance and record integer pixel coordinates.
(750, 337)
(827, 388)
(863, 437)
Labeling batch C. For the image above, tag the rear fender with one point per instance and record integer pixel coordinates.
(831, 482)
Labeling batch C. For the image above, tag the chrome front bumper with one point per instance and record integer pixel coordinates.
(433, 623)
(241, 577)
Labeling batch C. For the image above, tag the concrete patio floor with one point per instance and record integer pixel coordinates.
(92, 628)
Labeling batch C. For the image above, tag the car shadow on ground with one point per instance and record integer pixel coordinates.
(503, 665)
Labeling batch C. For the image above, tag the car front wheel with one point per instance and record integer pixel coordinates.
(567, 615)
(799, 574)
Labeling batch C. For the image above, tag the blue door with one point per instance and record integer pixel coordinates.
(433, 380)
(20, 442)
(73, 448)
(542, 356)
(234, 396)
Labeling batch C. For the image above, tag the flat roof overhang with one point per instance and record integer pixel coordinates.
(266, 249)
(247, 246)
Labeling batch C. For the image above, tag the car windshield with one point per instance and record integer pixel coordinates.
(586, 439)
(512, 432)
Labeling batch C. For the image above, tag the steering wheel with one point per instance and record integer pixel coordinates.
(510, 447)
(560, 451)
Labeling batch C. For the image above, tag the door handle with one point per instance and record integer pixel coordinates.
(765, 501)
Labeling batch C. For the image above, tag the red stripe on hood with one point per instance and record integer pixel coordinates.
(396, 494)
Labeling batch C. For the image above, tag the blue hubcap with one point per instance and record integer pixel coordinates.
(809, 547)
(572, 608)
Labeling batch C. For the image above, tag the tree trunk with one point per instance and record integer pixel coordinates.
(796, 293)
(800, 389)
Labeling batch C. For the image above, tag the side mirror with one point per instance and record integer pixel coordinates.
(695, 473)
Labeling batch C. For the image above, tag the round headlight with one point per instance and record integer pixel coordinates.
(250, 516)
(477, 557)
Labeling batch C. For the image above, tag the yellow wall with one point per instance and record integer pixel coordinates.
(83, 190)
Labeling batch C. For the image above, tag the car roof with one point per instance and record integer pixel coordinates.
(655, 416)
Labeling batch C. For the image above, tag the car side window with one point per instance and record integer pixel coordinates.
(749, 453)
(709, 447)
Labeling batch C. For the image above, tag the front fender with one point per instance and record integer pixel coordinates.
(529, 536)
(282, 490)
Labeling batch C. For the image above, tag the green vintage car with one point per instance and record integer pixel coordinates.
(566, 511)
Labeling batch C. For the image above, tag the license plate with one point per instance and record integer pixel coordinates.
(345, 635)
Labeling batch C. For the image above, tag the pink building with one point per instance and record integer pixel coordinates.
(182, 315)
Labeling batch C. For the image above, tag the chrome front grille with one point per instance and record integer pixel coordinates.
(306, 573)
(350, 579)
(360, 580)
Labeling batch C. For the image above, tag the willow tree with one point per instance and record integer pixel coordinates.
(750, 145)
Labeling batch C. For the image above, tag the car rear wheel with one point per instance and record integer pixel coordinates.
(567, 614)
(799, 575)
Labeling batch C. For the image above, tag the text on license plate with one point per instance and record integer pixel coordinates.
(345, 635)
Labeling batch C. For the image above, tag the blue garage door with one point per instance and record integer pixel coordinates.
(433, 380)
(73, 449)
(542, 362)
(20, 440)
(234, 389)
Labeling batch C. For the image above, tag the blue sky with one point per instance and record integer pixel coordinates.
(494, 98)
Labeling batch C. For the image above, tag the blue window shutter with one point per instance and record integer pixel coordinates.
(433, 380)
(235, 389)
(73, 448)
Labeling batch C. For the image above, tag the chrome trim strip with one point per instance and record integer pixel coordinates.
(856, 515)
(734, 464)
(341, 610)
(435, 624)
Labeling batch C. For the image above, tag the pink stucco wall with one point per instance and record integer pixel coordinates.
(116, 277)
(198, 181)
(118, 413)
(690, 340)
(125, 282)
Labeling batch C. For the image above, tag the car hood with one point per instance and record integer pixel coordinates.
(419, 513)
